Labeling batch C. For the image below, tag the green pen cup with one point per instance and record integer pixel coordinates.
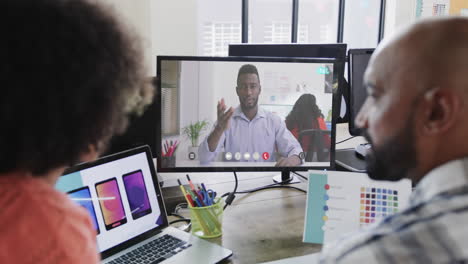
(207, 221)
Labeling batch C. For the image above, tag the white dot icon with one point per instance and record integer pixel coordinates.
(256, 156)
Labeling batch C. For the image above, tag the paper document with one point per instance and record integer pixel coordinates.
(343, 202)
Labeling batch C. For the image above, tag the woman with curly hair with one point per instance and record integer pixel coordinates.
(306, 117)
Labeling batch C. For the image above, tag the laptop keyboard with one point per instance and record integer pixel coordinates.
(155, 251)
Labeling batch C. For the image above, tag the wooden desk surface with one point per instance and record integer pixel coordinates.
(265, 225)
(262, 226)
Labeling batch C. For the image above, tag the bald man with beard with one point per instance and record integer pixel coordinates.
(416, 119)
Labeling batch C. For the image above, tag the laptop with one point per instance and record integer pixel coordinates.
(122, 195)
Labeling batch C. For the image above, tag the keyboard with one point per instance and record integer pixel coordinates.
(155, 251)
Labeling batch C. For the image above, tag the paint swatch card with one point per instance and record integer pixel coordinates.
(343, 202)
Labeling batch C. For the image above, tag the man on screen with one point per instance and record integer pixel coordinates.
(249, 133)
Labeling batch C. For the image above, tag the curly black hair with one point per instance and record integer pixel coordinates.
(304, 113)
(246, 69)
(70, 73)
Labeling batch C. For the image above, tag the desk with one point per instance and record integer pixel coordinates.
(262, 226)
(345, 156)
(265, 225)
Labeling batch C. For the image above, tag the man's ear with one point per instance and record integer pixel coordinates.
(440, 110)
(237, 90)
(90, 155)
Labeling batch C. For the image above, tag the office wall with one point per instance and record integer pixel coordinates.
(456, 7)
(398, 15)
(173, 28)
(137, 15)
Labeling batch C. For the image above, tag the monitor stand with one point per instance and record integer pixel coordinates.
(286, 177)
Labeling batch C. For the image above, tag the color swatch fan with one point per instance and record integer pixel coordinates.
(343, 202)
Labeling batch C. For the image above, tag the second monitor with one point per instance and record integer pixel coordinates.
(224, 114)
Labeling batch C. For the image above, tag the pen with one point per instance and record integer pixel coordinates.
(189, 200)
(171, 150)
(191, 184)
(182, 187)
(198, 202)
(205, 193)
(186, 195)
(174, 147)
(200, 198)
(166, 145)
(191, 194)
(204, 196)
(203, 186)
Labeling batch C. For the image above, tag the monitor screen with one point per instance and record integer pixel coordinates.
(234, 113)
(358, 60)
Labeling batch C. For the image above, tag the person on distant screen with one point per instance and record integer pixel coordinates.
(250, 129)
(415, 117)
(70, 74)
(305, 117)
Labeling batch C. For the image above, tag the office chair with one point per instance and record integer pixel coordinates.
(316, 144)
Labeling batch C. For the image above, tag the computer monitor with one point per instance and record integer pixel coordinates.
(335, 50)
(358, 60)
(190, 89)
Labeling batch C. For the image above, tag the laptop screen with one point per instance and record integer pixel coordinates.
(119, 194)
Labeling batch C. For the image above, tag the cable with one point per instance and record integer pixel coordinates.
(180, 206)
(262, 187)
(277, 185)
(273, 187)
(176, 215)
(180, 220)
(255, 189)
(300, 175)
(231, 195)
(339, 142)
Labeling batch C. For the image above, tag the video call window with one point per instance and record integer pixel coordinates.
(294, 101)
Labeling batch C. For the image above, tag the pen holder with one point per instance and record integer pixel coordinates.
(168, 162)
(207, 221)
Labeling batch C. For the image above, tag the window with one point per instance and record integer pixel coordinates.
(277, 32)
(217, 36)
(219, 24)
(361, 23)
(170, 75)
(318, 21)
(207, 27)
(270, 21)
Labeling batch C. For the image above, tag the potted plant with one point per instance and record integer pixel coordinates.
(193, 132)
